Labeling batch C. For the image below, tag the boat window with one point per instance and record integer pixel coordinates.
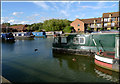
(19, 34)
(76, 40)
(14, 34)
(79, 40)
(63, 40)
(55, 40)
(22, 34)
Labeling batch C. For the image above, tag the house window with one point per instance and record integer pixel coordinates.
(105, 24)
(112, 24)
(108, 19)
(112, 19)
(79, 40)
(118, 18)
(105, 19)
(92, 26)
(99, 25)
(78, 24)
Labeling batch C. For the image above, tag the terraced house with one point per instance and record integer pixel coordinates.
(108, 21)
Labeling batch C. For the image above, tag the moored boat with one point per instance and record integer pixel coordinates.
(7, 37)
(107, 59)
(23, 35)
(85, 44)
(40, 34)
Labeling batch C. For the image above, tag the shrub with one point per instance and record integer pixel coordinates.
(68, 29)
(115, 28)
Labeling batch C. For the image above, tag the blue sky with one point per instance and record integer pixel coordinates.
(39, 11)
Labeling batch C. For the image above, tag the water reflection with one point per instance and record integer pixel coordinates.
(86, 64)
(9, 44)
(81, 63)
(107, 74)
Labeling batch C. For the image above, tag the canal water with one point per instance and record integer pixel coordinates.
(21, 63)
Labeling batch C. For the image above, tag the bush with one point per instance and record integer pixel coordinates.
(68, 29)
(88, 28)
(115, 28)
(101, 29)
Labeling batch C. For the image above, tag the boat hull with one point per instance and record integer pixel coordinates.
(107, 63)
(82, 52)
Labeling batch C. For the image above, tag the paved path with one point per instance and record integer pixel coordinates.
(4, 80)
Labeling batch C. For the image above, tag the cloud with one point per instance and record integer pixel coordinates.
(99, 5)
(6, 19)
(41, 4)
(17, 13)
(11, 21)
(80, 16)
(64, 12)
(35, 15)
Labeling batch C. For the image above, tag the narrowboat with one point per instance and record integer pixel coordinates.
(7, 37)
(40, 34)
(108, 59)
(85, 44)
(23, 35)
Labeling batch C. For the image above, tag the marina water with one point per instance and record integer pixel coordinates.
(21, 63)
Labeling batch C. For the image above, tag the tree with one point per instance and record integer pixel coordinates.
(37, 26)
(88, 28)
(68, 29)
(101, 28)
(115, 28)
(55, 24)
(6, 24)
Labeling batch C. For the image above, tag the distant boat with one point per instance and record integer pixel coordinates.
(19, 35)
(40, 34)
(7, 37)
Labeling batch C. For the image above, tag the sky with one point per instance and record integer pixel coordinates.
(39, 11)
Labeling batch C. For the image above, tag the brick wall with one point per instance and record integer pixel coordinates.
(78, 25)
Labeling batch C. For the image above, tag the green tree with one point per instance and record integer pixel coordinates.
(115, 28)
(6, 24)
(37, 26)
(68, 29)
(88, 28)
(55, 24)
(101, 28)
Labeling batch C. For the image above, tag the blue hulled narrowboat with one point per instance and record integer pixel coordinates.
(7, 37)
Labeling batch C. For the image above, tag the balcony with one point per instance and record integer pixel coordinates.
(112, 24)
(99, 26)
(92, 25)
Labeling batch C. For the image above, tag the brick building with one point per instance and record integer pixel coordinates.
(108, 21)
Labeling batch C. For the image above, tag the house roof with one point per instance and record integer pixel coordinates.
(91, 20)
(19, 27)
(114, 14)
